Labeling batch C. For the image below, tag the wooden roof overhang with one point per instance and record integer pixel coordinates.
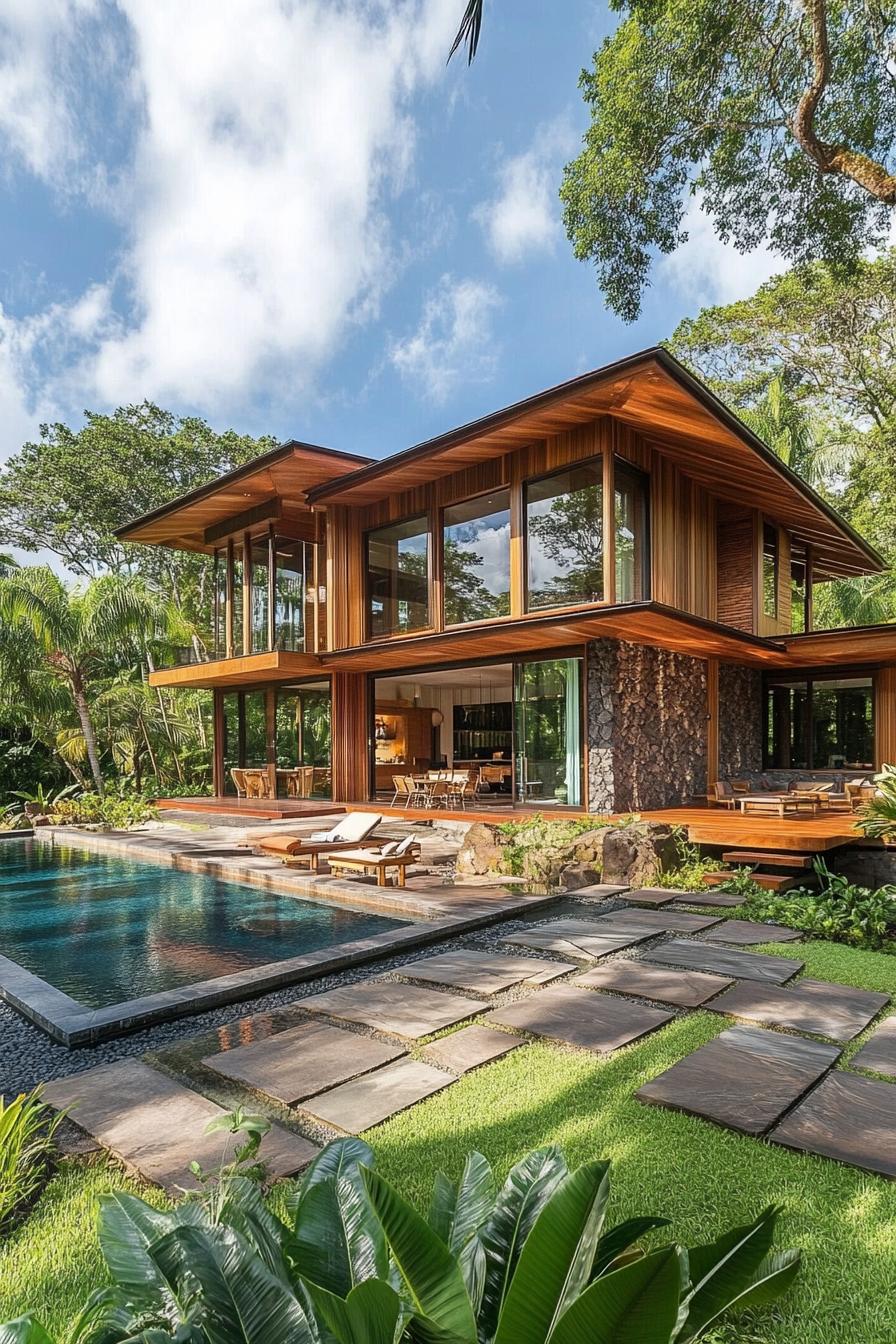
(673, 411)
(861, 646)
(256, 669)
(639, 623)
(274, 485)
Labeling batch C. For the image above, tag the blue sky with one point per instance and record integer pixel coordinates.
(292, 219)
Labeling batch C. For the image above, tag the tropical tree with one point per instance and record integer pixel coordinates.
(59, 642)
(816, 454)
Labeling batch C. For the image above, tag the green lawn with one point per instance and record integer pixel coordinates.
(702, 1177)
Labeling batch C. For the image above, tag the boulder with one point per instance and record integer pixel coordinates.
(576, 875)
(634, 855)
(480, 852)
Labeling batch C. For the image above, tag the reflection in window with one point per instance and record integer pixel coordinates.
(770, 570)
(289, 595)
(259, 590)
(237, 599)
(219, 621)
(797, 595)
(632, 556)
(476, 549)
(398, 577)
(303, 741)
(564, 537)
(820, 725)
(547, 702)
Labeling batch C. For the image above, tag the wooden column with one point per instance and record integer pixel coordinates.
(712, 720)
(350, 737)
(885, 716)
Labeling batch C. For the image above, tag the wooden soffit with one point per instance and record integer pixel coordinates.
(257, 669)
(844, 648)
(286, 474)
(673, 411)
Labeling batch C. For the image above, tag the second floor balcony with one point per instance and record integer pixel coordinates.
(269, 596)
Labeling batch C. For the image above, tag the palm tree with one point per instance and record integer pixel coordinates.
(817, 454)
(469, 30)
(77, 635)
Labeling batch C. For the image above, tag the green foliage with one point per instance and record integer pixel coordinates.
(700, 99)
(840, 911)
(527, 1263)
(877, 819)
(526, 842)
(27, 1128)
(106, 809)
(742, 883)
(690, 865)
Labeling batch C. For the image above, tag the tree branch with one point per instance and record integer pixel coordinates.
(833, 158)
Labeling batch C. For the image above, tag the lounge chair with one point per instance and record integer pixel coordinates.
(294, 850)
(397, 856)
(721, 794)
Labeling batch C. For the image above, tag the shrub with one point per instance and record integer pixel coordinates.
(525, 841)
(690, 865)
(27, 1129)
(92, 809)
(840, 911)
(741, 882)
(527, 1262)
(877, 819)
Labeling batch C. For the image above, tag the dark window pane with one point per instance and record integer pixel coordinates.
(303, 742)
(289, 594)
(220, 615)
(786, 744)
(843, 724)
(237, 600)
(770, 570)
(564, 537)
(797, 596)
(398, 577)
(260, 633)
(476, 548)
(632, 557)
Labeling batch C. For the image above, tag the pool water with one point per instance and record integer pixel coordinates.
(105, 929)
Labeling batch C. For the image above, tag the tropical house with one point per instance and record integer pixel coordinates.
(600, 598)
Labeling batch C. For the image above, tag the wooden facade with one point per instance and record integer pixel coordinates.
(725, 520)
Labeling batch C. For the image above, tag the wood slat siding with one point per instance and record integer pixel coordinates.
(350, 746)
(736, 569)
(683, 527)
(885, 716)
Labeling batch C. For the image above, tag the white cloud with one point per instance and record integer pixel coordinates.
(706, 270)
(269, 138)
(454, 341)
(524, 216)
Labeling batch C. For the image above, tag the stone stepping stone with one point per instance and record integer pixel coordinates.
(590, 1021)
(657, 921)
(652, 896)
(686, 989)
(599, 891)
(588, 943)
(483, 972)
(745, 1079)
(836, 1011)
(879, 1051)
(370, 1100)
(468, 1048)
(726, 961)
(302, 1061)
(157, 1127)
(848, 1118)
(742, 932)
(386, 1005)
(717, 899)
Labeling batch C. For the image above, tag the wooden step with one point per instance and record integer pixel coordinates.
(766, 859)
(770, 881)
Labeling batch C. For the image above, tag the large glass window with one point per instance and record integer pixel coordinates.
(770, 570)
(564, 537)
(237, 591)
(261, 640)
(289, 594)
(219, 619)
(398, 577)
(820, 724)
(632, 539)
(476, 559)
(303, 741)
(547, 701)
(798, 594)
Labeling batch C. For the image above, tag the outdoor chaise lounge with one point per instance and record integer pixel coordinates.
(296, 850)
(397, 856)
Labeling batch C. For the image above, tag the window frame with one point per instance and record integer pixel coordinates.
(602, 459)
(426, 515)
(809, 677)
(445, 624)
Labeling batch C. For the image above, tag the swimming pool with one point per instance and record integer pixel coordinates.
(103, 929)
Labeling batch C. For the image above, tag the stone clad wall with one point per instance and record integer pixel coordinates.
(740, 720)
(647, 727)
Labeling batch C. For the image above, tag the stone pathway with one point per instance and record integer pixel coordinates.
(685, 989)
(586, 939)
(651, 896)
(847, 1118)
(745, 931)
(719, 900)
(836, 1011)
(574, 1017)
(484, 973)
(657, 921)
(156, 1126)
(469, 1048)
(370, 1100)
(303, 1060)
(700, 956)
(879, 1052)
(745, 1079)
(401, 1010)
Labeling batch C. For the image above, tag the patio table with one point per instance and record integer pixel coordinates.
(777, 803)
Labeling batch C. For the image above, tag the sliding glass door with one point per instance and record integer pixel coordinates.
(548, 731)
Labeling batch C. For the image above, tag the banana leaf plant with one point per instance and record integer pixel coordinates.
(532, 1261)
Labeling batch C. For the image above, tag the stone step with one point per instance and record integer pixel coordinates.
(156, 1126)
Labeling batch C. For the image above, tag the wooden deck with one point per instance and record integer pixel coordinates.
(253, 809)
(800, 835)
